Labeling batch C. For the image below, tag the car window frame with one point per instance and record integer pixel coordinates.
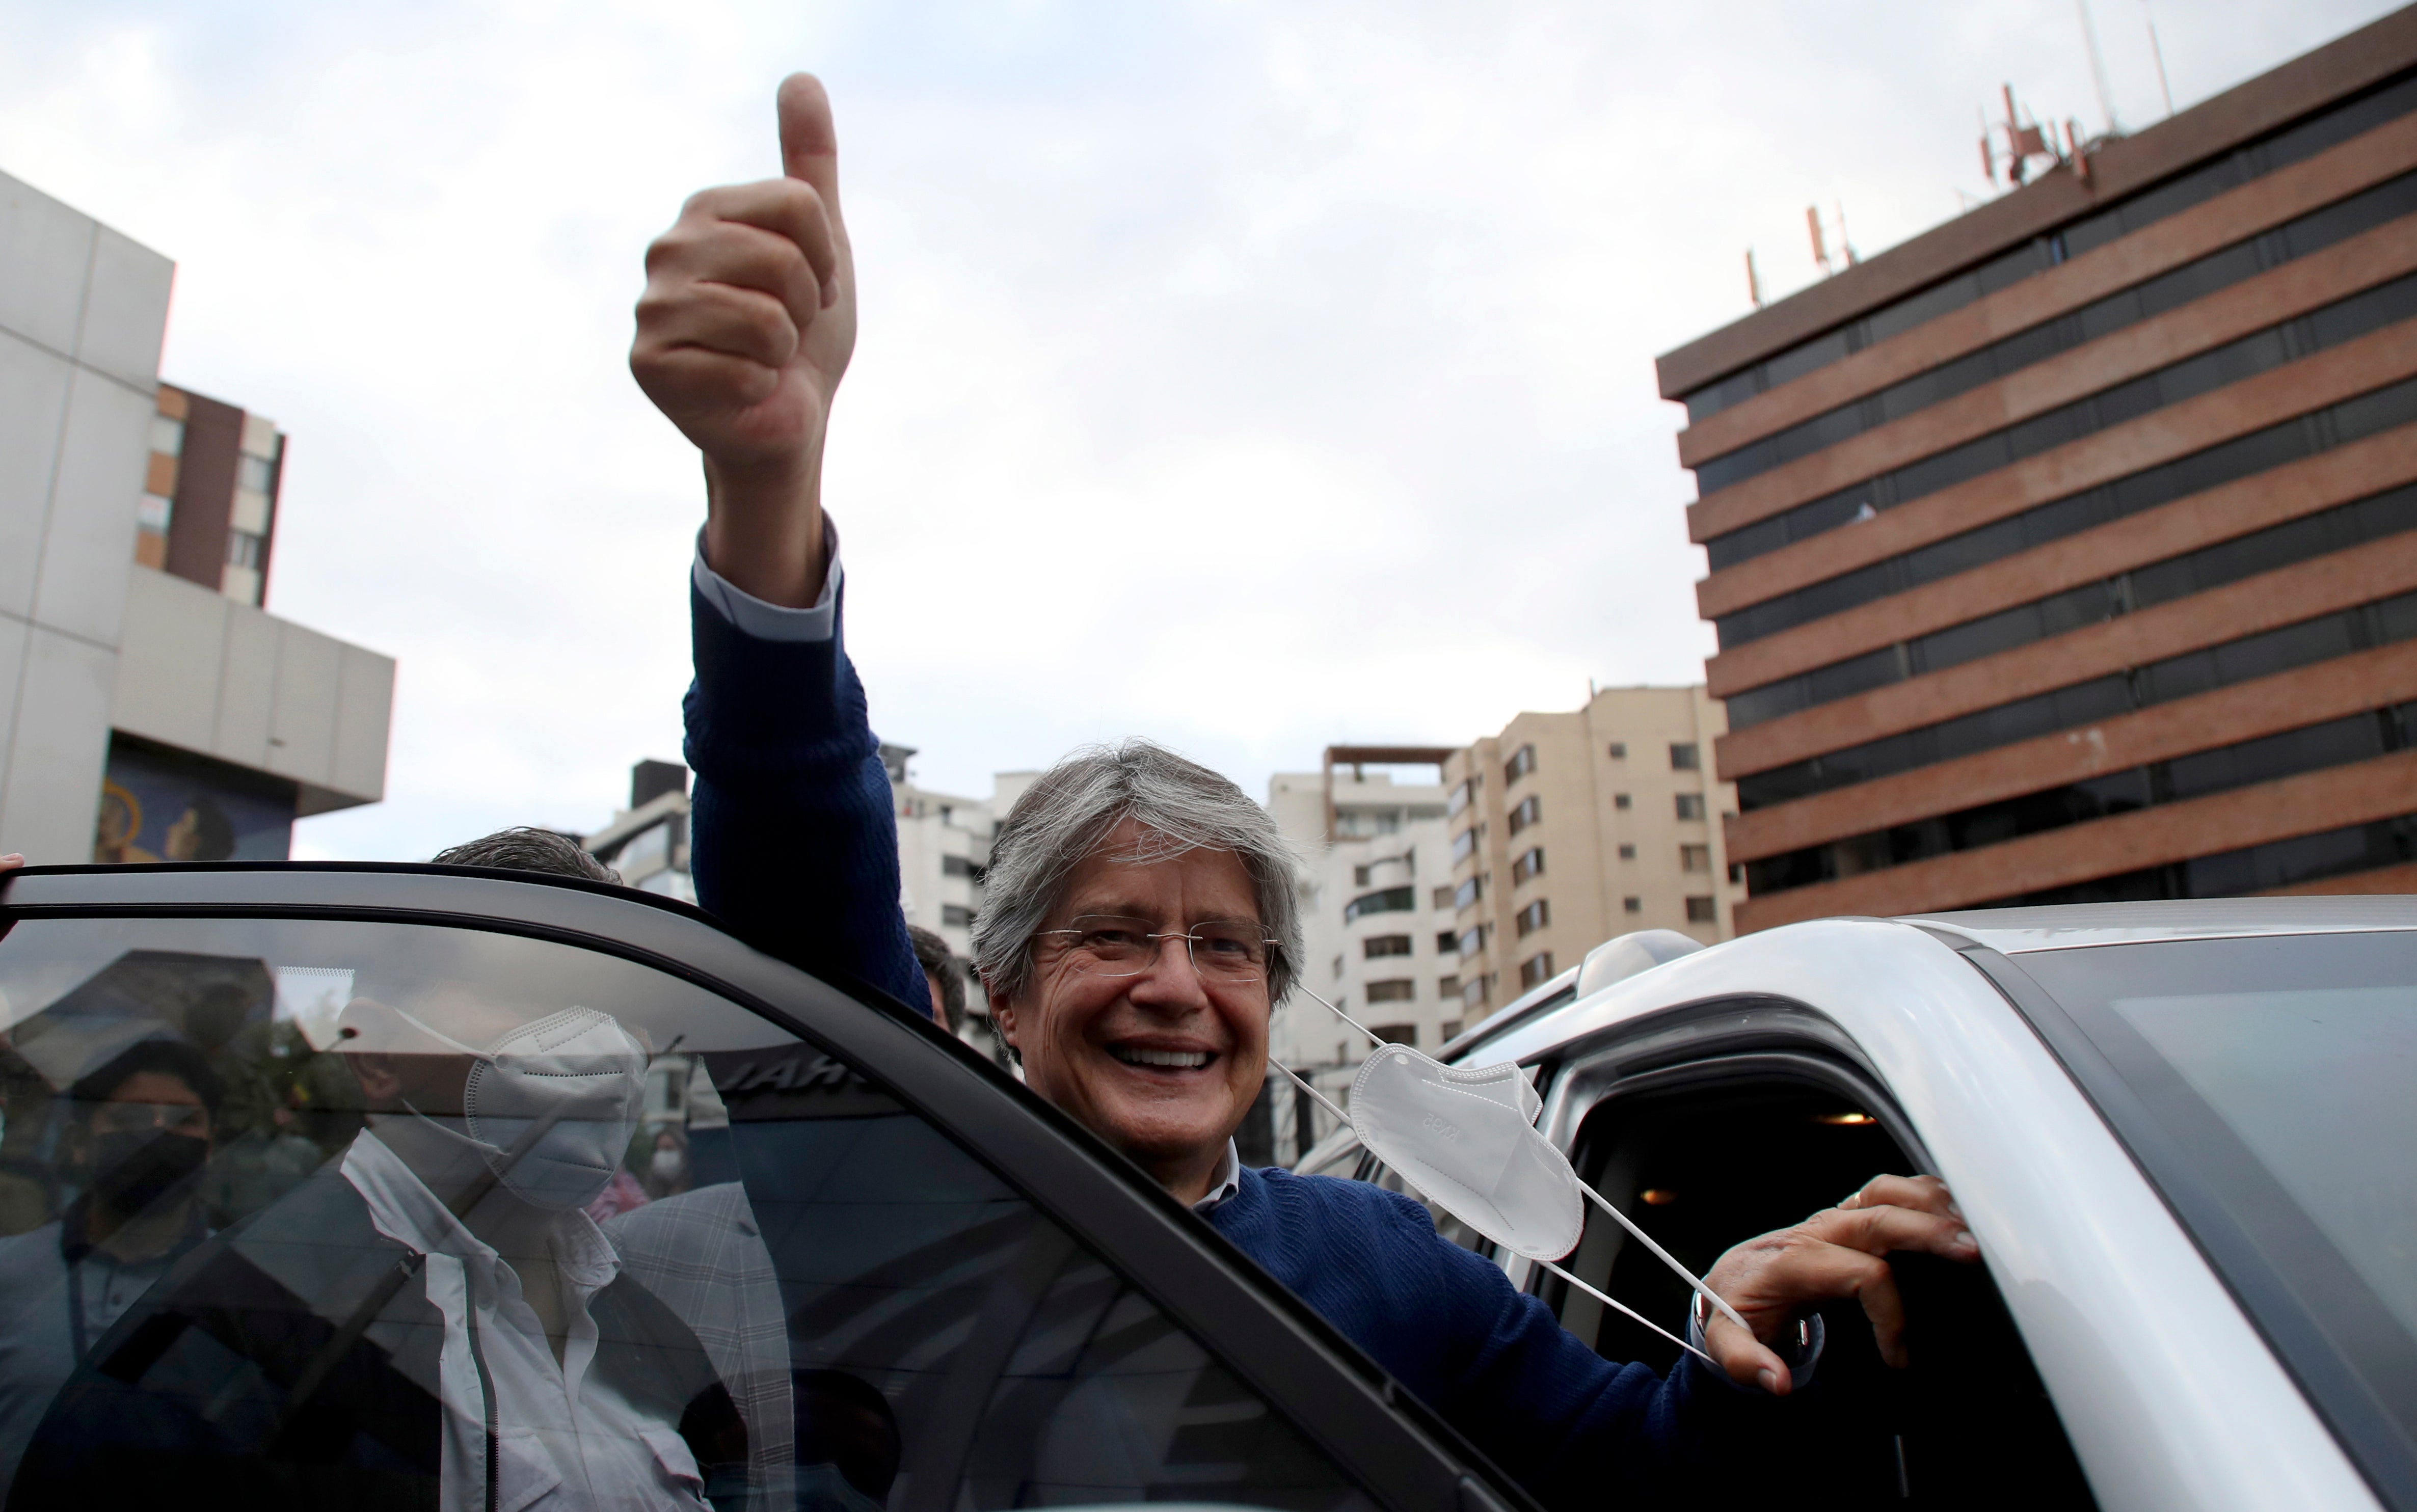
(1397, 1449)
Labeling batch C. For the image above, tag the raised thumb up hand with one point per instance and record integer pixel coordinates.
(744, 329)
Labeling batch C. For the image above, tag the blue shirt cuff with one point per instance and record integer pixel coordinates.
(763, 621)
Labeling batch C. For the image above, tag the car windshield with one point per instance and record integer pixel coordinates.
(2267, 1084)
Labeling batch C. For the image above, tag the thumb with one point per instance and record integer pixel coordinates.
(809, 146)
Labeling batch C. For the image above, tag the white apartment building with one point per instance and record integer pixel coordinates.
(1379, 934)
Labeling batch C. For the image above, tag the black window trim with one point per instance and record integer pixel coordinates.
(1398, 1450)
(2339, 1398)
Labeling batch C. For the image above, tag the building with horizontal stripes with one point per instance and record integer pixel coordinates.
(2068, 552)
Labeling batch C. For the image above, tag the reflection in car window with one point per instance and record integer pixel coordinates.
(400, 1214)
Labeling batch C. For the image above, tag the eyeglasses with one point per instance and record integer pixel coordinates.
(1106, 945)
(178, 1117)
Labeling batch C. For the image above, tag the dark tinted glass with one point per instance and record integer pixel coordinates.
(751, 1275)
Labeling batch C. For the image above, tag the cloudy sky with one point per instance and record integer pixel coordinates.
(1251, 374)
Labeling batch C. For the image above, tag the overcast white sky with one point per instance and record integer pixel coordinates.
(1251, 375)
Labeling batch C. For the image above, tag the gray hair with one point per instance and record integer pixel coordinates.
(1179, 804)
(526, 848)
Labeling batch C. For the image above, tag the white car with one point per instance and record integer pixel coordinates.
(2184, 1133)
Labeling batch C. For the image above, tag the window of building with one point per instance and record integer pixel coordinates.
(1691, 806)
(1474, 992)
(153, 512)
(1467, 893)
(1472, 941)
(1448, 987)
(1632, 905)
(1464, 845)
(1618, 749)
(1529, 865)
(1619, 800)
(1442, 898)
(1684, 757)
(1390, 900)
(1451, 1029)
(1530, 810)
(1536, 969)
(253, 473)
(245, 550)
(956, 914)
(167, 435)
(1534, 916)
(962, 866)
(1737, 873)
(1461, 797)
(1384, 944)
(1627, 853)
(1702, 910)
(1448, 943)
(1396, 1033)
(1522, 762)
(1360, 875)
(1392, 990)
(1694, 858)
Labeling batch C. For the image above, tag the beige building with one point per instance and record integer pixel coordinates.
(1568, 829)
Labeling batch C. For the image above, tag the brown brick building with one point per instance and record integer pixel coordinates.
(2068, 552)
(209, 496)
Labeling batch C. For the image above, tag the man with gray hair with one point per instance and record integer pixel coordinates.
(1143, 916)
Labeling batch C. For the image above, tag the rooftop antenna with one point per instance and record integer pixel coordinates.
(2157, 51)
(2097, 66)
(2023, 144)
(1753, 279)
(1843, 245)
(1820, 249)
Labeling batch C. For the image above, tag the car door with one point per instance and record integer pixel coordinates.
(852, 1264)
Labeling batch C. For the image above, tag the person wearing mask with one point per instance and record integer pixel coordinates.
(140, 1131)
(430, 1321)
(1141, 917)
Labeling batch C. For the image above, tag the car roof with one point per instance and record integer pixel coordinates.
(1535, 1025)
(2017, 930)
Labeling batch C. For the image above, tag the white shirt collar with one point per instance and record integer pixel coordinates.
(1224, 1184)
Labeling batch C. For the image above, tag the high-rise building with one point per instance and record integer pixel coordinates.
(149, 708)
(2068, 550)
(1568, 829)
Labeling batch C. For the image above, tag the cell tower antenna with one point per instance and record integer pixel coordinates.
(1753, 279)
(2097, 66)
(2157, 51)
(1843, 245)
(1820, 248)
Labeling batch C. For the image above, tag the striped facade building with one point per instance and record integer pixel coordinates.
(2068, 552)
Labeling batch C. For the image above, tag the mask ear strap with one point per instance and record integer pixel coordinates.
(1374, 1038)
(1324, 1101)
(1632, 1312)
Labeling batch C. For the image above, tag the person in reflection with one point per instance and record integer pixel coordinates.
(1143, 913)
(140, 1131)
(430, 1320)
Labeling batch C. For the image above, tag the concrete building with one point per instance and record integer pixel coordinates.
(1568, 829)
(149, 708)
(647, 841)
(1378, 940)
(1377, 936)
(2068, 552)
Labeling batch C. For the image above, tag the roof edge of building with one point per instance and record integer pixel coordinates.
(2122, 167)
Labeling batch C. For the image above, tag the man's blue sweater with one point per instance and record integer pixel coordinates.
(796, 849)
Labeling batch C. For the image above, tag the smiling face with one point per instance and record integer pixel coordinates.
(1162, 1065)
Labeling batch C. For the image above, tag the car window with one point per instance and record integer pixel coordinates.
(270, 1221)
(2264, 1082)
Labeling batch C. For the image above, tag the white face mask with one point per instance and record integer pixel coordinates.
(580, 1075)
(667, 1165)
(1469, 1140)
